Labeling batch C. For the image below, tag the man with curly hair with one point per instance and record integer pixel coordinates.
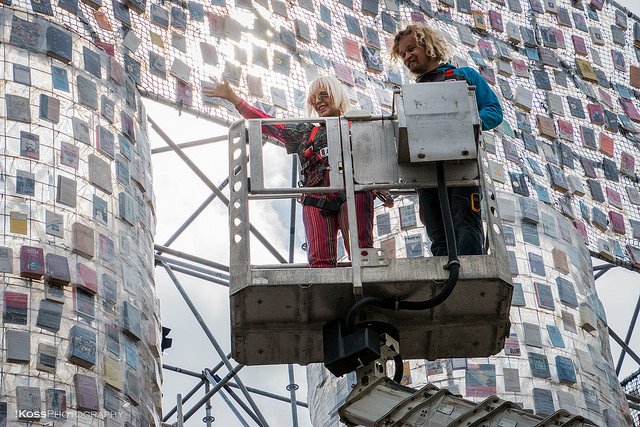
(425, 52)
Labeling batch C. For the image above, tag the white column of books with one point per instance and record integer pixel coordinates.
(79, 320)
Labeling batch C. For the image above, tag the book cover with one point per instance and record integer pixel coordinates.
(544, 296)
(112, 339)
(130, 353)
(69, 155)
(6, 260)
(59, 43)
(100, 173)
(86, 393)
(610, 170)
(371, 38)
(121, 13)
(81, 130)
(560, 261)
(122, 170)
(54, 224)
(87, 278)
(83, 240)
(116, 72)
(606, 144)
(85, 304)
(184, 94)
(495, 20)
(565, 130)
(127, 127)
(599, 219)
(351, 49)
(107, 108)
(56, 401)
(543, 401)
(92, 62)
(138, 6)
(480, 380)
(558, 178)
(82, 346)
(70, 6)
(566, 292)
(46, 358)
(31, 262)
(111, 399)
(25, 183)
(628, 107)
(18, 108)
(554, 336)
(518, 299)
(107, 248)
(57, 269)
(105, 142)
(131, 321)
(539, 365)
(28, 403)
(536, 264)
(109, 292)
(512, 345)
(479, 21)
(66, 191)
(113, 373)
(87, 92)
(627, 164)
(28, 35)
(196, 11)
(22, 74)
(511, 380)
(595, 114)
(160, 16)
(49, 315)
(634, 198)
(616, 220)
(513, 263)
(18, 346)
(53, 292)
(29, 145)
(546, 126)
(126, 208)
(131, 387)
(568, 322)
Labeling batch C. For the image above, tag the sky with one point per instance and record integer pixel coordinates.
(179, 192)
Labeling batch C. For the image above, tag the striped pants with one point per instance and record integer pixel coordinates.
(322, 231)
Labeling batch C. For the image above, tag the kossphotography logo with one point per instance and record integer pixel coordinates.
(68, 414)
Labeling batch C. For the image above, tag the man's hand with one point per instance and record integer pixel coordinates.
(385, 197)
(221, 90)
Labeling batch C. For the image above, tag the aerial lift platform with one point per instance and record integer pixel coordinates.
(354, 316)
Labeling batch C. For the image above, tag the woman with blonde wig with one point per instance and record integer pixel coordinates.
(323, 213)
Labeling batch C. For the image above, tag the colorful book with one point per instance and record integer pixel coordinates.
(31, 262)
(46, 358)
(86, 390)
(82, 347)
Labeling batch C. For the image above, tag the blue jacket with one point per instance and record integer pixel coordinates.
(489, 108)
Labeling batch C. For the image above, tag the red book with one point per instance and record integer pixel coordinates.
(107, 47)
(582, 229)
(630, 109)
(617, 222)
(31, 262)
(102, 20)
(495, 19)
(87, 278)
(184, 93)
(606, 144)
(351, 49)
(344, 74)
(579, 46)
(627, 164)
(605, 97)
(614, 197)
(596, 114)
(86, 393)
(565, 130)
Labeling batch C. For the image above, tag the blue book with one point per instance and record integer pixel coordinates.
(544, 295)
(567, 292)
(555, 336)
(543, 401)
(60, 78)
(518, 296)
(82, 347)
(539, 365)
(566, 370)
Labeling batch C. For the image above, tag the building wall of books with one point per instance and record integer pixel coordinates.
(557, 355)
(80, 331)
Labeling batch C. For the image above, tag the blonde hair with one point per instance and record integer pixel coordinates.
(429, 38)
(334, 88)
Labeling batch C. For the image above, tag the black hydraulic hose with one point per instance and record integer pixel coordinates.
(397, 360)
(453, 265)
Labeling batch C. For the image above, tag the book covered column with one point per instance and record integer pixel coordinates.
(79, 309)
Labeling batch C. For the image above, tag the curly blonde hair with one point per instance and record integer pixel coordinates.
(429, 38)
